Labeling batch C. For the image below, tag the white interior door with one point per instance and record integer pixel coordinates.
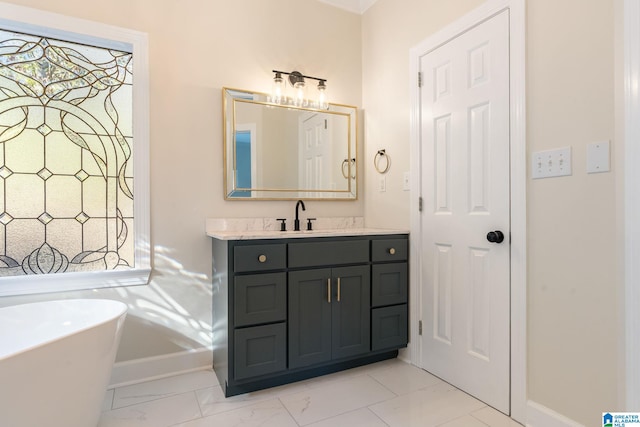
(315, 153)
(464, 107)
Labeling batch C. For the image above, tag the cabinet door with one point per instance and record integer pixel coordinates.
(389, 284)
(350, 311)
(309, 317)
(260, 298)
(260, 350)
(389, 327)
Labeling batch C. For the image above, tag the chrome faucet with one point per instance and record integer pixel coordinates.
(296, 222)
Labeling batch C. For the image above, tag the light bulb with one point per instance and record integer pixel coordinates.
(322, 95)
(277, 89)
(300, 92)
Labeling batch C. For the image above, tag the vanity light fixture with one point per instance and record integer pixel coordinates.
(299, 98)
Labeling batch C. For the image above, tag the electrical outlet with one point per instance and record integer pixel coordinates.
(383, 184)
(550, 163)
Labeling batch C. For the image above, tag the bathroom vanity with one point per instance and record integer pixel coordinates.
(290, 306)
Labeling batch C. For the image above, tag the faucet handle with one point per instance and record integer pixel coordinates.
(283, 223)
(309, 226)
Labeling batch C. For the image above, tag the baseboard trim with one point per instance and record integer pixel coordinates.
(540, 416)
(166, 365)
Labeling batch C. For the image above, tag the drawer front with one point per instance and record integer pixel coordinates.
(389, 250)
(389, 284)
(260, 350)
(259, 257)
(389, 327)
(260, 298)
(314, 254)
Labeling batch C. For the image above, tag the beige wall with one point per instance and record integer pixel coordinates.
(573, 334)
(196, 48)
(573, 291)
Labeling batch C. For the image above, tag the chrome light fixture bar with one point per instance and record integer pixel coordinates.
(299, 98)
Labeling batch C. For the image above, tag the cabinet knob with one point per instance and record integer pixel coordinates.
(262, 258)
(392, 251)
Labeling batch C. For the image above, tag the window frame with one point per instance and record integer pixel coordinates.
(34, 21)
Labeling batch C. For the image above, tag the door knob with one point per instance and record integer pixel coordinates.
(495, 236)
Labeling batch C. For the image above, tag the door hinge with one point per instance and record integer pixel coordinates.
(419, 327)
(420, 204)
(419, 79)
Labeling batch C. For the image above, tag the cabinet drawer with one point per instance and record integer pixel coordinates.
(259, 257)
(260, 350)
(388, 284)
(389, 327)
(313, 254)
(389, 250)
(260, 298)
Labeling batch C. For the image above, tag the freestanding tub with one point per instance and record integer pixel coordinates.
(55, 361)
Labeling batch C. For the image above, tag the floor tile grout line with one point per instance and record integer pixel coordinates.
(195, 396)
(385, 387)
(288, 412)
(378, 416)
(461, 416)
(490, 407)
(347, 377)
(159, 397)
(349, 411)
(192, 419)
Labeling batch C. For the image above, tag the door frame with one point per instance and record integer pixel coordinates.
(518, 175)
(630, 377)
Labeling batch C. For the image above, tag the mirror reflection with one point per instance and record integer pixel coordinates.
(283, 152)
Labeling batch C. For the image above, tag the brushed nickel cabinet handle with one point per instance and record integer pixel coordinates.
(329, 290)
(338, 289)
(392, 251)
(262, 258)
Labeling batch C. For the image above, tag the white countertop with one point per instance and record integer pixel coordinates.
(269, 228)
(271, 234)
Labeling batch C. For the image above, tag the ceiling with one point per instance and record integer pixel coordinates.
(356, 6)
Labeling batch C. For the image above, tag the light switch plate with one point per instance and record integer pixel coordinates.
(406, 181)
(598, 157)
(551, 163)
(382, 184)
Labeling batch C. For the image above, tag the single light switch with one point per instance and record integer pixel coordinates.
(406, 181)
(598, 157)
(383, 183)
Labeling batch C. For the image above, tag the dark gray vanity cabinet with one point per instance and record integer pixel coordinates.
(293, 308)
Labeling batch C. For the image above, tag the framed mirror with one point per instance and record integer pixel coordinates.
(283, 152)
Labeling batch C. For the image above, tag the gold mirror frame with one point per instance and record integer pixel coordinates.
(343, 161)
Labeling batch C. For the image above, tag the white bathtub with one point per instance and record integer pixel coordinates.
(55, 361)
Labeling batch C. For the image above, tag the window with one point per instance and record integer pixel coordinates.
(73, 154)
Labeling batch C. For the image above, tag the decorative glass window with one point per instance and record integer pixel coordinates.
(69, 167)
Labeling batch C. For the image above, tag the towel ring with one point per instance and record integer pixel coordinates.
(376, 161)
(346, 174)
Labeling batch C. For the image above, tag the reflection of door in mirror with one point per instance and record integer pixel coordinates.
(315, 154)
(245, 151)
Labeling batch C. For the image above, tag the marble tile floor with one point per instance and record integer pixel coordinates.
(389, 393)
